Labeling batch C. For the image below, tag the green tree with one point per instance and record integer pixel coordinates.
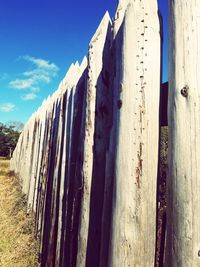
(8, 140)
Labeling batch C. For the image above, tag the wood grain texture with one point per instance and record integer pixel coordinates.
(183, 240)
(95, 64)
(137, 120)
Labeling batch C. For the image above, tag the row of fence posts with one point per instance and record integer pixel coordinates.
(88, 158)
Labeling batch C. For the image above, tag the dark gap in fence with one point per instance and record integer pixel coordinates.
(163, 239)
(162, 175)
(157, 245)
(162, 158)
(164, 104)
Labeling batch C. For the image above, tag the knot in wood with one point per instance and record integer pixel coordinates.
(184, 91)
(199, 253)
(119, 104)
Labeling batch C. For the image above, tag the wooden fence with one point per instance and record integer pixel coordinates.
(88, 158)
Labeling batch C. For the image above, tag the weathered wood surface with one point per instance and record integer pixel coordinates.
(94, 83)
(183, 235)
(137, 124)
(87, 159)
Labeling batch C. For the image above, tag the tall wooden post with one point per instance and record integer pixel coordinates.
(136, 108)
(183, 231)
(95, 64)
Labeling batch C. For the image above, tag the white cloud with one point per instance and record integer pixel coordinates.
(28, 97)
(35, 89)
(38, 75)
(7, 107)
(42, 72)
(21, 84)
(42, 63)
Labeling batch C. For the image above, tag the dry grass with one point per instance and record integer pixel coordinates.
(18, 247)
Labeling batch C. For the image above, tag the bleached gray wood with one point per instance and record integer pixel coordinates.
(33, 162)
(43, 118)
(137, 120)
(119, 15)
(27, 154)
(98, 227)
(62, 182)
(95, 63)
(183, 235)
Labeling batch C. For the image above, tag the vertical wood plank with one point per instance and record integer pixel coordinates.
(183, 235)
(136, 105)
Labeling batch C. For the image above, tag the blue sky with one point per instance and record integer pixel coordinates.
(39, 41)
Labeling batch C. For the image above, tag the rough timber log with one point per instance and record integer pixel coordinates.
(102, 125)
(95, 65)
(183, 235)
(136, 106)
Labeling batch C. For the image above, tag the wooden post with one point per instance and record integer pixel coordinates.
(183, 229)
(136, 109)
(95, 64)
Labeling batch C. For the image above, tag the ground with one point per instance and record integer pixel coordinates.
(162, 201)
(18, 247)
